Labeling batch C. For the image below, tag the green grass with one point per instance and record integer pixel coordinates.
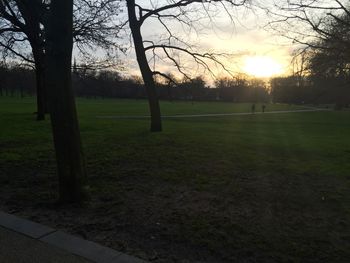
(255, 188)
(140, 107)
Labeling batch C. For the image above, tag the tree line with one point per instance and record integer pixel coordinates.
(92, 83)
(311, 89)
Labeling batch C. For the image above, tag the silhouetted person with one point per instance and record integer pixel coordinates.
(263, 108)
(253, 108)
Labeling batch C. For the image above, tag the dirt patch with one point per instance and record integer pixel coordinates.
(246, 218)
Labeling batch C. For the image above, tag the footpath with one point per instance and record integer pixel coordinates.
(211, 114)
(24, 241)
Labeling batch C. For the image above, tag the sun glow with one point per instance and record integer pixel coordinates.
(263, 67)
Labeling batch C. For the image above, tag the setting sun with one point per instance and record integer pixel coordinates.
(261, 66)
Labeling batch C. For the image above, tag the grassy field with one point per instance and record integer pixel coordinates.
(255, 188)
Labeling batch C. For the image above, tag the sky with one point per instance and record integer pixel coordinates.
(252, 49)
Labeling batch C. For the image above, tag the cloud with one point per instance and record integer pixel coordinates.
(240, 37)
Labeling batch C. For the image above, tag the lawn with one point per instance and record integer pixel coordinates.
(254, 188)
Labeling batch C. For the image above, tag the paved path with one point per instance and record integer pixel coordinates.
(24, 241)
(17, 248)
(210, 115)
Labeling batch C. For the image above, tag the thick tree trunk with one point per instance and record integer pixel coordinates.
(135, 26)
(65, 128)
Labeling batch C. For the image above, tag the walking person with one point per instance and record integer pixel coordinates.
(253, 108)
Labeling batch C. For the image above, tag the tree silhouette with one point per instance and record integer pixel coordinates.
(20, 23)
(24, 22)
(316, 25)
(187, 14)
(65, 128)
(321, 29)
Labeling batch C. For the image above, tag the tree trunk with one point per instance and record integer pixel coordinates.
(65, 127)
(41, 99)
(135, 26)
(21, 91)
(30, 10)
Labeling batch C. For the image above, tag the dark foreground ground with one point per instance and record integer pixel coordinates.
(260, 188)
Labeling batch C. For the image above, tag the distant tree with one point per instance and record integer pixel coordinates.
(3, 73)
(258, 91)
(192, 89)
(242, 89)
(285, 90)
(65, 127)
(186, 13)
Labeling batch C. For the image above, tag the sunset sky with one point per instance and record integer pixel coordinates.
(254, 50)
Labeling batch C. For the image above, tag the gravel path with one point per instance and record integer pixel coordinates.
(209, 115)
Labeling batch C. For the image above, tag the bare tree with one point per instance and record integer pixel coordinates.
(20, 23)
(172, 48)
(96, 28)
(22, 34)
(315, 25)
(321, 30)
(65, 128)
